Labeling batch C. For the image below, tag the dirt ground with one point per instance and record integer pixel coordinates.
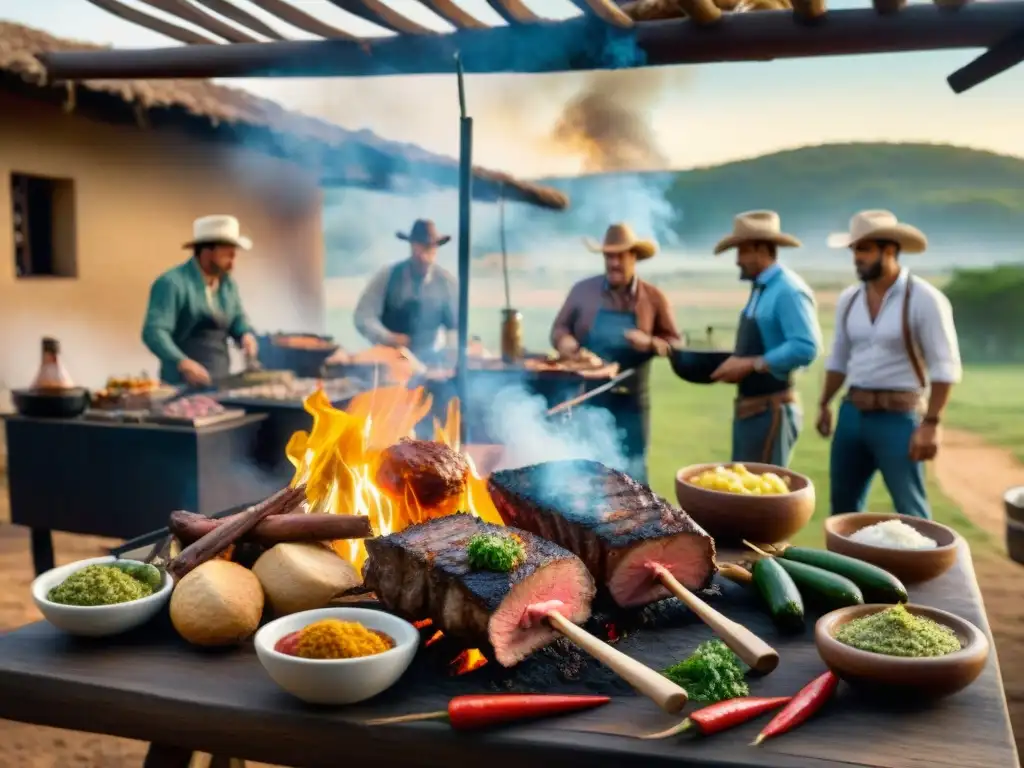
(972, 473)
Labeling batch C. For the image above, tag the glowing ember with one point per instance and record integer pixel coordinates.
(433, 639)
(613, 633)
(339, 457)
(467, 661)
(423, 623)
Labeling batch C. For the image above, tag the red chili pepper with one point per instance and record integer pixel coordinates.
(810, 699)
(470, 712)
(723, 715)
(289, 644)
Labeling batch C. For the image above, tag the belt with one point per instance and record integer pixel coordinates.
(748, 407)
(889, 400)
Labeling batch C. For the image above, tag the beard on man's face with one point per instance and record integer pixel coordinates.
(869, 272)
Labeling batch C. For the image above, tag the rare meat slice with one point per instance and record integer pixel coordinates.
(617, 526)
(423, 572)
(433, 472)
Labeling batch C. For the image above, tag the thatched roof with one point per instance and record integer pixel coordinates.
(343, 157)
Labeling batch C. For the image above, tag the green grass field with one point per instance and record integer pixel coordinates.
(692, 423)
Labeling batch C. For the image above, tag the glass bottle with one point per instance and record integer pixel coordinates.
(52, 374)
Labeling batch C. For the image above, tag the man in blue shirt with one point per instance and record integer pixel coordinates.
(195, 308)
(778, 334)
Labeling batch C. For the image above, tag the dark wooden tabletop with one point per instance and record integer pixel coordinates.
(150, 686)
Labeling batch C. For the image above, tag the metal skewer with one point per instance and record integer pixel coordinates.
(592, 393)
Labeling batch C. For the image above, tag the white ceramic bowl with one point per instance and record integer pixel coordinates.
(96, 620)
(337, 681)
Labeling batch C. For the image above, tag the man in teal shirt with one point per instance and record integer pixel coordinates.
(778, 334)
(195, 308)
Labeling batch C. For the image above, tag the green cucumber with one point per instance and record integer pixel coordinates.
(878, 586)
(823, 588)
(780, 593)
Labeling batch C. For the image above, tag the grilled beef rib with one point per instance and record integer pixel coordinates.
(423, 572)
(616, 525)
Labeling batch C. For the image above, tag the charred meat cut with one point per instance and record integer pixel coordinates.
(423, 572)
(617, 526)
(432, 471)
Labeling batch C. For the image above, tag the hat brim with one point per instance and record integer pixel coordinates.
(437, 243)
(241, 242)
(909, 238)
(781, 239)
(644, 249)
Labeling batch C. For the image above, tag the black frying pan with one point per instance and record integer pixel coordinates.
(51, 403)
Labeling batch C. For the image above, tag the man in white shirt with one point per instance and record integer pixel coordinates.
(894, 339)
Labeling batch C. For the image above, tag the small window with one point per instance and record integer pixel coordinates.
(43, 215)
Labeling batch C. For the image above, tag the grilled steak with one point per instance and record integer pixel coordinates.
(423, 572)
(432, 471)
(616, 525)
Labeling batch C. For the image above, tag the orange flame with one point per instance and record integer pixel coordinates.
(467, 661)
(338, 461)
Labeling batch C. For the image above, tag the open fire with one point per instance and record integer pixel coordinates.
(339, 458)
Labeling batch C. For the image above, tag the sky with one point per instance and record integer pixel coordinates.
(700, 115)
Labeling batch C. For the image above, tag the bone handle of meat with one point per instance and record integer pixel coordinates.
(662, 691)
(752, 650)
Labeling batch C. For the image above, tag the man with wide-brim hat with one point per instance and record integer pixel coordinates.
(625, 320)
(408, 303)
(894, 340)
(778, 334)
(195, 308)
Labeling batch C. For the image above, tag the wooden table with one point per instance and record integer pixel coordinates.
(150, 686)
(121, 480)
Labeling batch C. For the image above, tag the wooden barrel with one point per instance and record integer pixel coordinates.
(1013, 502)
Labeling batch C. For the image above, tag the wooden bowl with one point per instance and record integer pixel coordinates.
(911, 566)
(731, 517)
(933, 677)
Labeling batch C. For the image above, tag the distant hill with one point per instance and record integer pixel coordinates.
(962, 198)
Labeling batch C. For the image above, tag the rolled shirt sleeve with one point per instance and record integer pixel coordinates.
(566, 317)
(798, 321)
(165, 302)
(839, 358)
(370, 309)
(936, 335)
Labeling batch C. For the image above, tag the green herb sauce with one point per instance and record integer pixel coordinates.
(494, 552)
(897, 632)
(711, 673)
(99, 585)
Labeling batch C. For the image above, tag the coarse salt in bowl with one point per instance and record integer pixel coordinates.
(894, 534)
(908, 565)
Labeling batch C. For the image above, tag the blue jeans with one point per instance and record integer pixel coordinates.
(749, 436)
(877, 440)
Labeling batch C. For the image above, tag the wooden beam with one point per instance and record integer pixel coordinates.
(702, 12)
(188, 12)
(888, 7)
(569, 46)
(241, 16)
(380, 14)
(810, 9)
(996, 60)
(610, 13)
(152, 23)
(517, 10)
(301, 20)
(454, 13)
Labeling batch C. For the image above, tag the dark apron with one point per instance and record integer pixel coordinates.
(419, 320)
(207, 344)
(750, 343)
(629, 403)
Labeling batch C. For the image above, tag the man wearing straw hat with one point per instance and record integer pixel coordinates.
(778, 333)
(624, 320)
(894, 339)
(406, 304)
(195, 308)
